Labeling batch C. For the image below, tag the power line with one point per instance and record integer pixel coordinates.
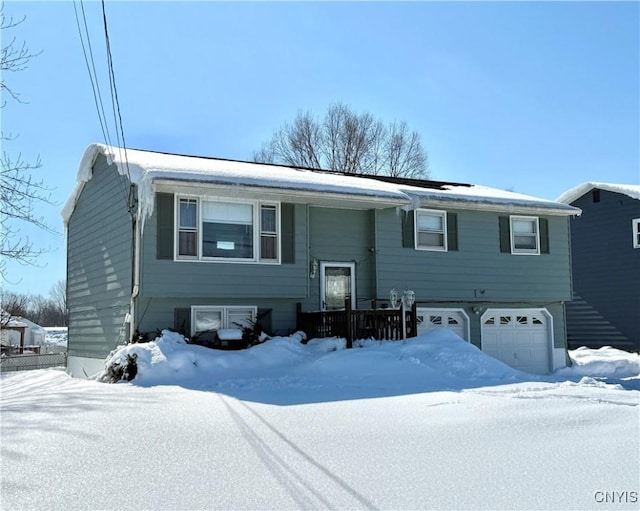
(93, 66)
(95, 85)
(114, 94)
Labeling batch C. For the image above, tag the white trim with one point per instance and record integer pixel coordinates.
(635, 223)
(524, 251)
(337, 264)
(256, 226)
(462, 312)
(430, 212)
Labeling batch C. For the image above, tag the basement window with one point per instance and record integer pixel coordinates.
(206, 319)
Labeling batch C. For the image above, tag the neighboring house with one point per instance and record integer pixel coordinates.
(160, 240)
(20, 334)
(605, 246)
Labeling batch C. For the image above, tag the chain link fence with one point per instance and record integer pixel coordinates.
(26, 362)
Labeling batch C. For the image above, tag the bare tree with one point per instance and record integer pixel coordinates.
(349, 142)
(14, 305)
(58, 295)
(19, 191)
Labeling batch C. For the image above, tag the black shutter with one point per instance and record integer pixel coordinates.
(164, 234)
(182, 321)
(287, 233)
(544, 235)
(505, 238)
(452, 231)
(408, 229)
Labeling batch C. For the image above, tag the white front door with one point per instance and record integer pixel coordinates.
(337, 282)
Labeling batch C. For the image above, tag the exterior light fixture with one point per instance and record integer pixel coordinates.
(313, 269)
(393, 298)
(405, 302)
(408, 298)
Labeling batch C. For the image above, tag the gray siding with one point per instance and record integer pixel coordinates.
(606, 271)
(343, 235)
(166, 284)
(99, 248)
(168, 278)
(477, 271)
(158, 313)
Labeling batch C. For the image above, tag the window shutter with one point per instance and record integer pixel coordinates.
(182, 321)
(505, 238)
(164, 234)
(544, 235)
(287, 233)
(452, 231)
(408, 230)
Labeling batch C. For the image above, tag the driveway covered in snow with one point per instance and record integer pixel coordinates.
(428, 424)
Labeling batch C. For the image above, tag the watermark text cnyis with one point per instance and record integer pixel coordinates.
(616, 497)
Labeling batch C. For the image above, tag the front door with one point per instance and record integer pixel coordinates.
(337, 282)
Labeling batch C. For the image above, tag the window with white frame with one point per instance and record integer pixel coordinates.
(636, 232)
(525, 235)
(188, 228)
(210, 230)
(431, 229)
(210, 319)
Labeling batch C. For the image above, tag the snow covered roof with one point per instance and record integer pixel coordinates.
(14, 323)
(576, 192)
(147, 168)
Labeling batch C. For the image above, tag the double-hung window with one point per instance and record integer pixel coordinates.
(268, 232)
(525, 235)
(431, 230)
(636, 232)
(222, 230)
(188, 228)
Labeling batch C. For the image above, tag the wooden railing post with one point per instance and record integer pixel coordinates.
(347, 311)
(299, 316)
(414, 319)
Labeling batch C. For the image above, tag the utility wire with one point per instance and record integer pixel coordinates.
(116, 105)
(95, 86)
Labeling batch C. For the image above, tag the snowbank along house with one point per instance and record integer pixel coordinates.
(162, 240)
(605, 247)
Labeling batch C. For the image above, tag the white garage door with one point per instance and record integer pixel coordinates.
(520, 338)
(453, 319)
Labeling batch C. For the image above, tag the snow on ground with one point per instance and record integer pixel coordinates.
(430, 423)
(56, 335)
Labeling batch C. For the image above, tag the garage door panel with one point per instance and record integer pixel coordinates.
(451, 319)
(518, 337)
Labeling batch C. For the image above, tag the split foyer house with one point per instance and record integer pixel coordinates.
(162, 240)
(605, 246)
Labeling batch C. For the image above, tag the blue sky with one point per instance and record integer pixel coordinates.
(533, 97)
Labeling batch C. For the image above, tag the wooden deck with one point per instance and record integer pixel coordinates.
(381, 324)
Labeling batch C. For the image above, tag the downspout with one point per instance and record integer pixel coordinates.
(567, 358)
(375, 255)
(136, 223)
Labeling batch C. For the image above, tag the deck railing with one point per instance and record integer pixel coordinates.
(381, 324)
